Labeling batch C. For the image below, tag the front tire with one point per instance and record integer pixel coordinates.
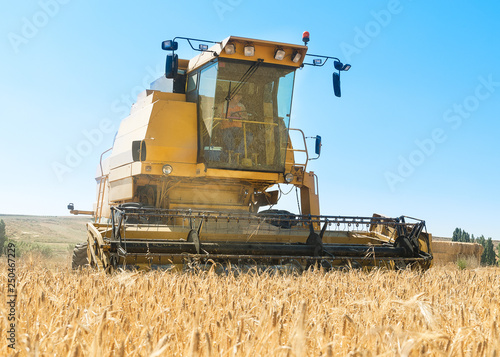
(80, 258)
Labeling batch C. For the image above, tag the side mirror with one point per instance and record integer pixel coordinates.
(336, 84)
(169, 45)
(317, 147)
(171, 66)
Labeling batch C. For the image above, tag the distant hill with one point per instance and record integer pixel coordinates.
(59, 233)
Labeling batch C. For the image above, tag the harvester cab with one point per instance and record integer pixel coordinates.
(194, 163)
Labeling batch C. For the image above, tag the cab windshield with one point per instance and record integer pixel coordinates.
(244, 114)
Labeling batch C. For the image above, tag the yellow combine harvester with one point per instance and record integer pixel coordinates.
(197, 159)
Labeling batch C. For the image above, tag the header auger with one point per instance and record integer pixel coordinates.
(191, 174)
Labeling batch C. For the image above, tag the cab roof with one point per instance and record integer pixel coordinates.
(264, 50)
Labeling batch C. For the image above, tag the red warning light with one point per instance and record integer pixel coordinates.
(305, 37)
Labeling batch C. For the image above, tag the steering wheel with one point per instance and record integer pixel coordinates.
(237, 114)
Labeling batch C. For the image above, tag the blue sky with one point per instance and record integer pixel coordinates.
(415, 132)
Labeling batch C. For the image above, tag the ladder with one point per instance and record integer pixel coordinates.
(100, 198)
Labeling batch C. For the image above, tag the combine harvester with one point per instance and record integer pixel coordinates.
(193, 164)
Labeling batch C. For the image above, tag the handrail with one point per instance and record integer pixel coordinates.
(300, 150)
(316, 186)
(100, 160)
(245, 121)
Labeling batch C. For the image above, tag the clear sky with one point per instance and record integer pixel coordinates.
(416, 131)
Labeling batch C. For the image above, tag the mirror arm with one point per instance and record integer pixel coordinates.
(198, 40)
(320, 56)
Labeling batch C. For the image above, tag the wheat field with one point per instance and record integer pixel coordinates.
(441, 312)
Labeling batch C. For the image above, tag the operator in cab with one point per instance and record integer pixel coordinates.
(233, 114)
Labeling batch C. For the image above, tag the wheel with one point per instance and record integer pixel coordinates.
(80, 259)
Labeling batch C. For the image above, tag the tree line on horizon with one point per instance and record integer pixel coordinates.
(489, 257)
